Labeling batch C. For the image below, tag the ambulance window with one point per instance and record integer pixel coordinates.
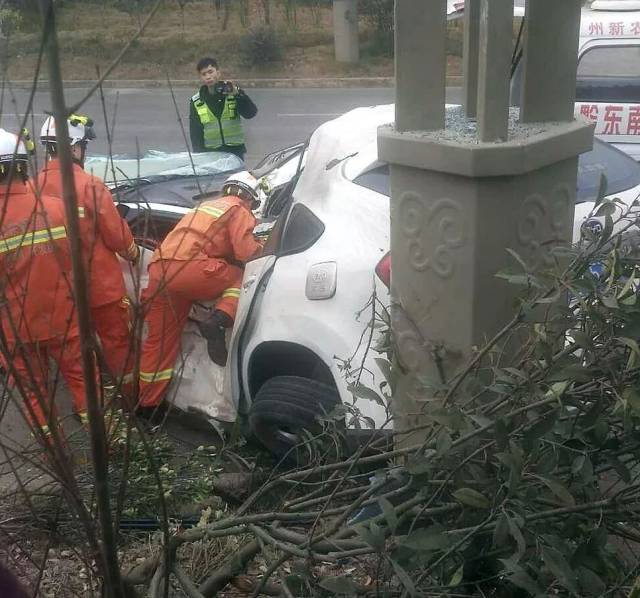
(610, 61)
(610, 73)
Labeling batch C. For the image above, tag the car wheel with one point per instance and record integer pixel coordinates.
(285, 412)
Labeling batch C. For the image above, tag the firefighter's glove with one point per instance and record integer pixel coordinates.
(214, 330)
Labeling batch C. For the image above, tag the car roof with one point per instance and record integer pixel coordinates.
(347, 147)
(332, 144)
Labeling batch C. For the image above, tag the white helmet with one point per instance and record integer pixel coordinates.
(12, 151)
(243, 181)
(80, 129)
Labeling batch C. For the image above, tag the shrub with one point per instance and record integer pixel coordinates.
(10, 21)
(260, 46)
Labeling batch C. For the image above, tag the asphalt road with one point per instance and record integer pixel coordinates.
(148, 118)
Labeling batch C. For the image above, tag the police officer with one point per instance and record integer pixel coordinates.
(215, 112)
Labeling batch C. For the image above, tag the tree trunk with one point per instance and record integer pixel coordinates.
(243, 8)
(227, 14)
(266, 7)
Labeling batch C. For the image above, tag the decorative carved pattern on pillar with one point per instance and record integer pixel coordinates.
(438, 222)
(542, 225)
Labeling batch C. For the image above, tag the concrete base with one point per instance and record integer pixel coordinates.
(457, 151)
(456, 208)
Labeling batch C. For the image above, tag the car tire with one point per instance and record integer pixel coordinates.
(284, 408)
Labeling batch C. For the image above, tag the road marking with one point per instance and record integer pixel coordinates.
(16, 115)
(308, 114)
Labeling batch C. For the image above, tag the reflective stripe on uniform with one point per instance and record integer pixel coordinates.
(231, 293)
(80, 212)
(34, 238)
(156, 376)
(214, 212)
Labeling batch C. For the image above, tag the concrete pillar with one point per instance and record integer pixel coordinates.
(470, 57)
(550, 60)
(345, 30)
(420, 64)
(496, 33)
(459, 202)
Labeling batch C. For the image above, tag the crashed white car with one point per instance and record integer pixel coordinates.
(326, 256)
(327, 208)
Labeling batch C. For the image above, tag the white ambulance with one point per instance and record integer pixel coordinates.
(608, 86)
(608, 89)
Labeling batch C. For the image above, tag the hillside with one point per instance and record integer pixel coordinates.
(91, 34)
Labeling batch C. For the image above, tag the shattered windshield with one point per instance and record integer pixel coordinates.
(157, 163)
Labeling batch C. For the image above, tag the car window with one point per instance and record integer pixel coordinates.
(622, 173)
(150, 228)
(377, 180)
(609, 73)
(303, 229)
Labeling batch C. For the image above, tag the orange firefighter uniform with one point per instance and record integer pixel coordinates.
(201, 259)
(104, 234)
(37, 310)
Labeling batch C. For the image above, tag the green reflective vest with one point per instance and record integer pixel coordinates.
(227, 130)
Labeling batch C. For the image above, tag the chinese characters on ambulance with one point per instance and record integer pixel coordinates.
(613, 119)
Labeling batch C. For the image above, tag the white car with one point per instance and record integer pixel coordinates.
(326, 256)
(326, 211)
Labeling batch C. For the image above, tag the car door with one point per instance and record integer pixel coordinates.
(257, 271)
(256, 275)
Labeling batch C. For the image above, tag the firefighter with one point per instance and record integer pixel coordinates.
(201, 259)
(105, 235)
(37, 311)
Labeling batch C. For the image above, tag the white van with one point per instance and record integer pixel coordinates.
(608, 85)
(608, 90)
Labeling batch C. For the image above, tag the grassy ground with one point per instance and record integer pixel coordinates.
(91, 35)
